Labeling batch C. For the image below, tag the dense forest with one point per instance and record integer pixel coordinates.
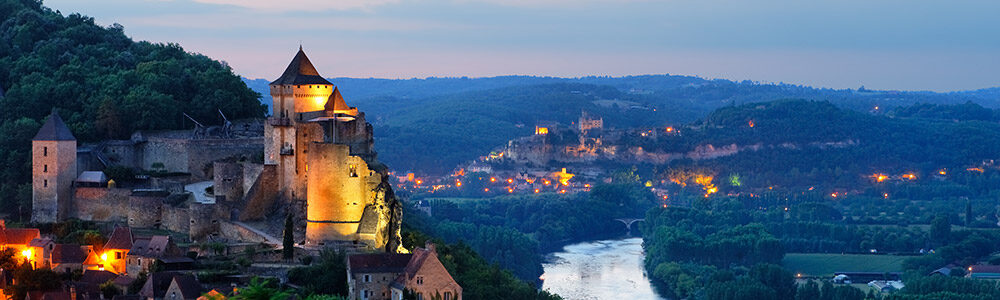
(103, 84)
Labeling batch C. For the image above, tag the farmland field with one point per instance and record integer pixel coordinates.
(821, 264)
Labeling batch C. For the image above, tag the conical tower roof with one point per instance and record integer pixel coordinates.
(54, 130)
(336, 101)
(300, 71)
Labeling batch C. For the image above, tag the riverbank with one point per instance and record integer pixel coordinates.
(602, 269)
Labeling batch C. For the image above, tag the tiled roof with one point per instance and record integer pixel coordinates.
(71, 254)
(121, 239)
(155, 246)
(378, 263)
(157, 284)
(97, 277)
(19, 236)
(300, 71)
(336, 102)
(54, 129)
(39, 242)
(984, 269)
(189, 286)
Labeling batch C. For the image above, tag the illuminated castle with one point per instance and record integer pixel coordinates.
(322, 151)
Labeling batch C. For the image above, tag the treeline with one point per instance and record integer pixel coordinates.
(103, 84)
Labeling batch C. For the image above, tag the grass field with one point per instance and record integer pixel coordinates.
(823, 265)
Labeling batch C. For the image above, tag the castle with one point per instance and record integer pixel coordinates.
(319, 167)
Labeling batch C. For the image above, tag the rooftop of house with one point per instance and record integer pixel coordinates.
(300, 71)
(157, 284)
(121, 239)
(189, 286)
(18, 236)
(54, 129)
(984, 269)
(154, 246)
(378, 263)
(68, 254)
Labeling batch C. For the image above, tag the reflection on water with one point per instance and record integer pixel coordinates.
(608, 269)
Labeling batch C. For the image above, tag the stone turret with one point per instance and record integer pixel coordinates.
(53, 169)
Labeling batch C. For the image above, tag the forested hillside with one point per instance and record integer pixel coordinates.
(432, 124)
(103, 84)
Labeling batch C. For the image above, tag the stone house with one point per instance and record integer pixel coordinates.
(116, 250)
(147, 251)
(369, 275)
(386, 276)
(426, 277)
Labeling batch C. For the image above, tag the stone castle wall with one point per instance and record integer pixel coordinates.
(196, 156)
(100, 204)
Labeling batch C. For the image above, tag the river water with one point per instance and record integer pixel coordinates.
(606, 269)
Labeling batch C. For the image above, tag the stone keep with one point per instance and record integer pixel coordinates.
(53, 169)
(323, 152)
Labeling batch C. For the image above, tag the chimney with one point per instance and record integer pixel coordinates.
(430, 247)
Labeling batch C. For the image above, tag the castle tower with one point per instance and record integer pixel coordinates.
(53, 169)
(300, 89)
(324, 156)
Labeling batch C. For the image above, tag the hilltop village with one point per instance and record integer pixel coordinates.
(297, 185)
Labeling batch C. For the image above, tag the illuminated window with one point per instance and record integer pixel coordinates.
(353, 170)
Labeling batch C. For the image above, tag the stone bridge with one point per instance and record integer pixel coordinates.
(628, 224)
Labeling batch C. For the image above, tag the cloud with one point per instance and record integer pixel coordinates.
(301, 5)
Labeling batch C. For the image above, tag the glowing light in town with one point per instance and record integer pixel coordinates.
(104, 256)
(879, 177)
(909, 176)
(670, 129)
(493, 179)
(750, 123)
(980, 170)
(26, 253)
(458, 183)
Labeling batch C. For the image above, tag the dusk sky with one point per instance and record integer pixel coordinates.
(904, 44)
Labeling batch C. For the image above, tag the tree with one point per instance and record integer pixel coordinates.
(288, 239)
(261, 290)
(968, 213)
(940, 229)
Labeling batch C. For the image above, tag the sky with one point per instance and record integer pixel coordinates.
(881, 44)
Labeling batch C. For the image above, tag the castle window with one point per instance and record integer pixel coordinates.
(118, 255)
(353, 170)
(420, 279)
(45, 168)
(368, 278)
(45, 183)
(45, 151)
(447, 295)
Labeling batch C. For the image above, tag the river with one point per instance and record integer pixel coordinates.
(606, 269)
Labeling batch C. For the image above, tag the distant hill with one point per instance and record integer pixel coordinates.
(432, 124)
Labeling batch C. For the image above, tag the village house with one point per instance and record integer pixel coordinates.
(148, 250)
(387, 276)
(170, 286)
(116, 250)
